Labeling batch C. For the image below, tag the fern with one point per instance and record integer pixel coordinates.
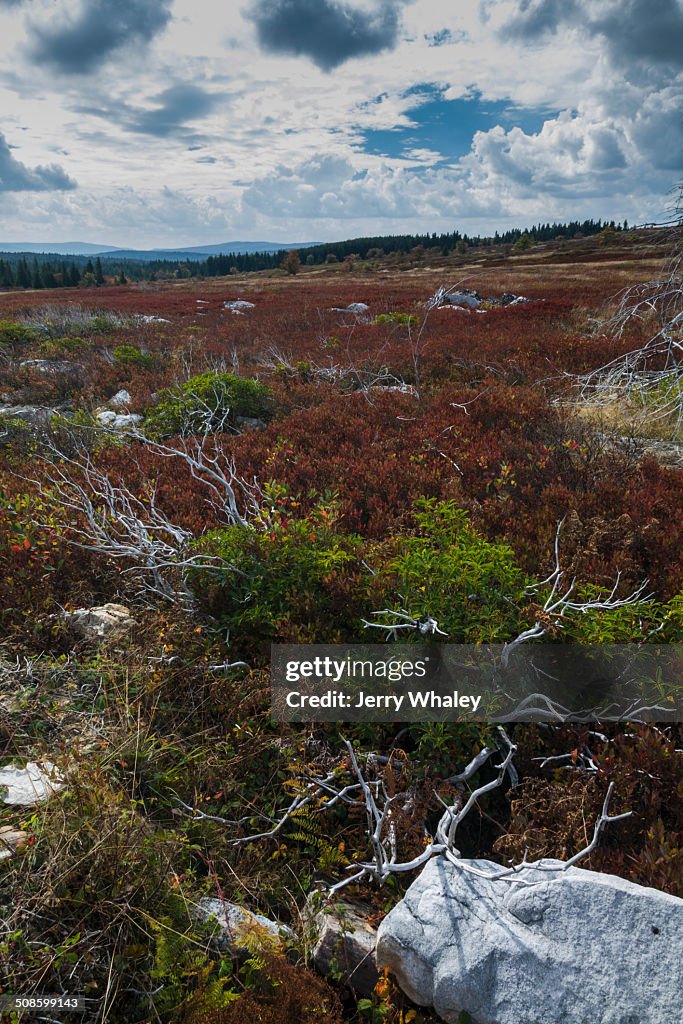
(309, 833)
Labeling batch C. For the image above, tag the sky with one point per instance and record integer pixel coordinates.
(154, 123)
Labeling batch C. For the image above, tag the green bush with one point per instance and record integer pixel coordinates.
(13, 428)
(306, 581)
(14, 334)
(129, 355)
(210, 401)
(470, 585)
(59, 347)
(298, 581)
(406, 319)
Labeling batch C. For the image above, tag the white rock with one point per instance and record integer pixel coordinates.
(237, 305)
(510, 299)
(33, 784)
(230, 920)
(575, 947)
(100, 621)
(117, 420)
(52, 366)
(10, 839)
(345, 942)
(35, 415)
(471, 299)
(142, 319)
(121, 398)
(353, 307)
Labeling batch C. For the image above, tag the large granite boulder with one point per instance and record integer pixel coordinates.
(572, 947)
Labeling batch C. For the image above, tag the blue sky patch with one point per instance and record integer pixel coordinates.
(447, 126)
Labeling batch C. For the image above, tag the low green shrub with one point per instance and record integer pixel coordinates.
(129, 355)
(59, 347)
(14, 334)
(298, 580)
(210, 401)
(396, 317)
(448, 570)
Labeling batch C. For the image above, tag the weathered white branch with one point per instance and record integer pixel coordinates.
(426, 626)
(559, 601)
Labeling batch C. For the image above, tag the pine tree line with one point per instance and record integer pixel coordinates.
(377, 246)
(21, 270)
(19, 273)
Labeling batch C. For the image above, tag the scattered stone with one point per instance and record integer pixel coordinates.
(101, 621)
(401, 389)
(52, 367)
(572, 947)
(669, 453)
(358, 308)
(238, 305)
(142, 319)
(35, 415)
(230, 919)
(120, 399)
(346, 943)
(117, 420)
(468, 300)
(33, 784)
(10, 839)
(250, 423)
(465, 297)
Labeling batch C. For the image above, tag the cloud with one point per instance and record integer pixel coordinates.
(570, 156)
(633, 30)
(77, 45)
(649, 30)
(178, 105)
(330, 32)
(122, 215)
(329, 187)
(16, 177)
(535, 18)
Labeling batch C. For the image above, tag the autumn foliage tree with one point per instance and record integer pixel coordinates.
(292, 262)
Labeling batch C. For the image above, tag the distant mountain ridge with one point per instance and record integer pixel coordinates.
(191, 252)
(56, 248)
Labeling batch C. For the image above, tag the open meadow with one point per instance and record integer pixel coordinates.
(285, 458)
